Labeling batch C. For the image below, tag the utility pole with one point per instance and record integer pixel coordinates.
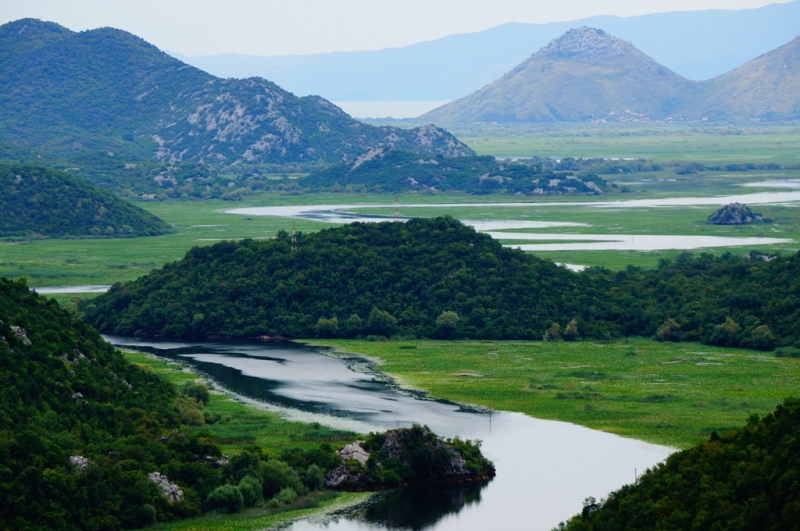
(294, 238)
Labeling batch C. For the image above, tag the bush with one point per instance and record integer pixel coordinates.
(381, 322)
(198, 391)
(252, 491)
(314, 478)
(226, 498)
(668, 331)
(787, 352)
(189, 411)
(286, 496)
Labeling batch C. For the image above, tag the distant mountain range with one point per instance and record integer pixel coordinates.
(587, 74)
(107, 89)
(697, 45)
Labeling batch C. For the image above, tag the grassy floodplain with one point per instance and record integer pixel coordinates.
(248, 425)
(674, 394)
(659, 142)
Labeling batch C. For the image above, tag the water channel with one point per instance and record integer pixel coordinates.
(587, 242)
(545, 469)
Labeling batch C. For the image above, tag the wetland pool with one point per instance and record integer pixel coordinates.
(615, 242)
(545, 469)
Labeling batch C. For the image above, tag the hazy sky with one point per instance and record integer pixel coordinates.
(277, 27)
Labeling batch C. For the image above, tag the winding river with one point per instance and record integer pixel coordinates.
(545, 469)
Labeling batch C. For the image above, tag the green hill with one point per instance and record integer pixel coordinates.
(37, 201)
(79, 427)
(106, 89)
(439, 278)
(745, 479)
(400, 171)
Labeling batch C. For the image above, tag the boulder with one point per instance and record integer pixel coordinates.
(736, 214)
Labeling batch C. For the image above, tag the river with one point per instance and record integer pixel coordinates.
(545, 469)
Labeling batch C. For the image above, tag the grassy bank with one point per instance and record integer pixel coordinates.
(245, 425)
(667, 393)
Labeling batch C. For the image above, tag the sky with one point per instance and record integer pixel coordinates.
(291, 27)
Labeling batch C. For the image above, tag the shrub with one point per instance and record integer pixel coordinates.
(252, 491)
(668, 331)
(198, 391)
(314, 478)
(225, 498)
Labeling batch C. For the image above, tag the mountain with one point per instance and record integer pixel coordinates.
(107, 89)
(37, 201)
(766, 88)
(743, 479)
(585, 74)
(698, 45)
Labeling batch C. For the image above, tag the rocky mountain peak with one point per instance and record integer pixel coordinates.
(586, 44)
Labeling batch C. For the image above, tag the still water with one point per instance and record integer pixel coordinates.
(545, 469)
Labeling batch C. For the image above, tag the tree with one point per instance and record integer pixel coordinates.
(226, 498)
(327, 327)
(763, 338)
(446, 324)
(725, 333)
(668, 331)
(571, 331)
(381, 322)
(553, 333)
(314, 478)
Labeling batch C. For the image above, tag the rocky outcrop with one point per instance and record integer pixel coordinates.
(171, 491)
(736, 214)
(403, 457)
(79, 462)
(21, 335)
(354, 451)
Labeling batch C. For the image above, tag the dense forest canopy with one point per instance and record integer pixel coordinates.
(439, 278)
(78, 427)
(36, 201)
(748, 478)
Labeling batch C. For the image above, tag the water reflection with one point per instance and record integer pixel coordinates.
(545, 469)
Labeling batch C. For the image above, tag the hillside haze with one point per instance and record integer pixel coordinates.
(108, 89)
(584, 74)
(698, 45)
(767, 87)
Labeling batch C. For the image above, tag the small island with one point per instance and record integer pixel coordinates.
(408, 456)
(736, 214)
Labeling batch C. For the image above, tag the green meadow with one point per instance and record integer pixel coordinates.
(661, 143)
(673, 394)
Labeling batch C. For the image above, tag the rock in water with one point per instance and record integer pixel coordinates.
(408, 456)
(736, 214)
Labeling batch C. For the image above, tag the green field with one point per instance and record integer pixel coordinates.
(248, 425)
(674, 394)
(661, 143)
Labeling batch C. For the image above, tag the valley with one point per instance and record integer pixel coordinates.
(540, 281)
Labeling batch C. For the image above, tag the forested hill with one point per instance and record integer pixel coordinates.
(400, 171)
(79, 427)
(106, 89)
(439, 278)
(37, 201)
(745, 479)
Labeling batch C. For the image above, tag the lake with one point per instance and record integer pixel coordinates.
(545, 469)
